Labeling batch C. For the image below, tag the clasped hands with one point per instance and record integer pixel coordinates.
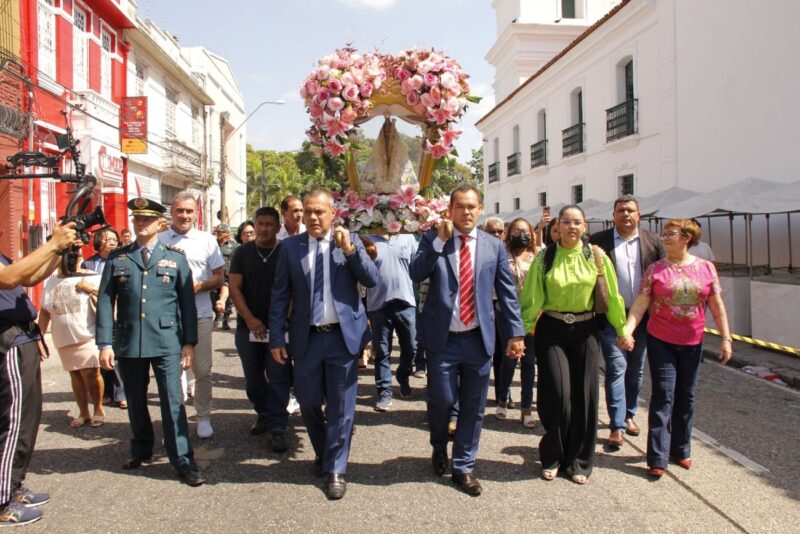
(516, 347)
(626, 341)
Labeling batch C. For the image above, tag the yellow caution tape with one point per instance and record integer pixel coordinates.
(759, 343)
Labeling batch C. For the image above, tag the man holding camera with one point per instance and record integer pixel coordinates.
(21, 350)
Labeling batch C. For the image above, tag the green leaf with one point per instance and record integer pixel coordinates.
(474, 99)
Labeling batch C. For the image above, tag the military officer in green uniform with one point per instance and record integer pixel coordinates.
(150, 285)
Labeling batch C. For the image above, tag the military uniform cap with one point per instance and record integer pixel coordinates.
(146, 207)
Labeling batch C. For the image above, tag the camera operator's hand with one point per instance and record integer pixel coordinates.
(65, 236)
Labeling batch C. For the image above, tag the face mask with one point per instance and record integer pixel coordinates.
(521, 241)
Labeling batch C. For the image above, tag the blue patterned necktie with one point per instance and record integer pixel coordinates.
(318, 312)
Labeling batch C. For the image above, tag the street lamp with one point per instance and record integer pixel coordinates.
(223, 160)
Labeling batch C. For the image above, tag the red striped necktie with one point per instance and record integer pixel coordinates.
(466, 282)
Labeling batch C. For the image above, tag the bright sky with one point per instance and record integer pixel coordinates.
(273, 45)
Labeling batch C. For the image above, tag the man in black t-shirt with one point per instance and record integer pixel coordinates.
(252, 272)
(20, 376)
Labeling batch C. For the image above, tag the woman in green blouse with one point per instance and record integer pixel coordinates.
(559, 303)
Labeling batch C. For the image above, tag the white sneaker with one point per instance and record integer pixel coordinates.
(204, 428)
(190, 388)
(293, 405)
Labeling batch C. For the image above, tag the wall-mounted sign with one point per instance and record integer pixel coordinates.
(133, 125)
(109, 166)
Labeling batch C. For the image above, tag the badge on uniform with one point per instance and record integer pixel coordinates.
(167, 263)
(165, 279)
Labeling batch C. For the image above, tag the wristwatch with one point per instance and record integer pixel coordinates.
(349, 250)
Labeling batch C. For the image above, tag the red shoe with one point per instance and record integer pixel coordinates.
(657, 472)
(686, 463)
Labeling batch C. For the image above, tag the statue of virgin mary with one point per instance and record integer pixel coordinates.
(388, 167)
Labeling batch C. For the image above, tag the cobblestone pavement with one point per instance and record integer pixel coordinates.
(745, 477)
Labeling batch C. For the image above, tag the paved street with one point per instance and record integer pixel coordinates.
(745, 479)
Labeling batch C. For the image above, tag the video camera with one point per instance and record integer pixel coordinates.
(86, 222)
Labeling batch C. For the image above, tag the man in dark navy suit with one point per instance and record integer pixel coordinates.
(317, 276)
(457, 328)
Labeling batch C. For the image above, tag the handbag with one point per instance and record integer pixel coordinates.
(600, 287)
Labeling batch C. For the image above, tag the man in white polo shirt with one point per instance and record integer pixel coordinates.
(207, 265)
(292, 215)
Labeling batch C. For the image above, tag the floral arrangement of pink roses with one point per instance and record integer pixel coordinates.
(403, 212)
(337, 93)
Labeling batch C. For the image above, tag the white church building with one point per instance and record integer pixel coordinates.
(596, 98)
(599, 98)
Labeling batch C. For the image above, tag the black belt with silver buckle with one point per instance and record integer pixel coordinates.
(570, 318)
(325, 328)
(465, 332)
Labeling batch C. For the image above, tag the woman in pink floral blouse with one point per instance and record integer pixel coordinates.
(675, 291)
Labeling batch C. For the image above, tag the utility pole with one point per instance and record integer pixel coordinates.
(223, 164)
(263, 180)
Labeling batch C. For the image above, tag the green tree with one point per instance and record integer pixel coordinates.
(476, 164)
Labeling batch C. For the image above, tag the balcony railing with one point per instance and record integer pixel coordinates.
(572, 140)
(513, 163)
(539, 154)
(180, 159)
(494, 172)
(622, 120)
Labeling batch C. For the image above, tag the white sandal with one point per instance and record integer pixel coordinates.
(528, 421)
(501, 412)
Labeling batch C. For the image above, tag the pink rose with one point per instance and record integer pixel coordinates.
(322, 72)
(405, 87)
(335, 104)
(311, 87)
(424, 67)
(427, 100)
(358, 76)
(412, 99)
(451, 104)
(448, 81)
(394, 227)
(347, 79)
(416, 82)
(348, 114)
(436, 93)
(366, 90)
(322, 96)
(350, 92)
(334, 85)
(404, 74)
(431, 79)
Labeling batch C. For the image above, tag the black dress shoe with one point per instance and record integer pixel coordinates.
(335, 487)
(468, 483)
(278, 441)
(439, 462)
(135, 462)
(192, 478)
(260, 426)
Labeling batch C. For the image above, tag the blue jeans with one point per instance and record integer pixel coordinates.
(402, 318)
(527, 365)
(624, 373)
(266, 382)
(673, 372)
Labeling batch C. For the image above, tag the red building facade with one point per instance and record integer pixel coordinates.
(73, 55)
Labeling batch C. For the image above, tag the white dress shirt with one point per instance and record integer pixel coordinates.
(283, 234)
(329, 311)
(438, 245)
(627, 254)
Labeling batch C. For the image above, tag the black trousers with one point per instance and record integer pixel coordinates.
(567, 397)
(20, 414)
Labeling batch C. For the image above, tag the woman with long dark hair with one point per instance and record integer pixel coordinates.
(521, 253)
(558, 299)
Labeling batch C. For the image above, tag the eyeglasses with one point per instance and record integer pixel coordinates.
(250, 232)
(671, 234)
(495, 232)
